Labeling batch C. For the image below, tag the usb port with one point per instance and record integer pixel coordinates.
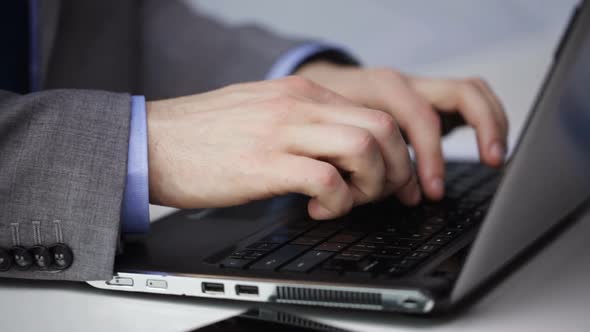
(212, 288)
(246, 290)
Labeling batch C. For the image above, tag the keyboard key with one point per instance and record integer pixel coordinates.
(428, 248)
(391, 252)
(278, 238)
(417, 255)
(331, 246)
(336, 264)
(457, 227)
(369, 265)
(352, 255)
(307, 241)
(365, 247)
(308, 261)
(390, 229)
(346, 237)
(379, 239)
(449, 233)
(405, 243)
(435, 221)
(415, 236)
(322, 232)
(395, 271)
(252, 254)
(407, 263)
(279, 257)
(440, 240)
(293, 230)
(235, 263)
(238, 254)
(430, 229)
(263, 246)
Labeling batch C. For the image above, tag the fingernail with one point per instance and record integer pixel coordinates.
(437, 186)
(497, 151)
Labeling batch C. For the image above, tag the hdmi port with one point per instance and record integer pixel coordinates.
(246, 290)
(212, 288)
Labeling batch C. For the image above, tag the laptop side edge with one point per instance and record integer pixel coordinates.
(547, 177)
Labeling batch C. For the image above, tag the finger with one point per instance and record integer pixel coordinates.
(398, 166)
(421, 125)
(330, 195)
(493, 99)
(465, 98)
(410, 190)
(351, 149)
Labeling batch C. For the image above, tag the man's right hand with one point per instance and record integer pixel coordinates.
(253, 141)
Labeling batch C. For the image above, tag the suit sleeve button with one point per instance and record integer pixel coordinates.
(41, 256)
(62, 256)
(21, 257)
(5, 260)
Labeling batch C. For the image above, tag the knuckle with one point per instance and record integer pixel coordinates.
(298, 83)
(385, 124)
(362, 142)
(328, 177)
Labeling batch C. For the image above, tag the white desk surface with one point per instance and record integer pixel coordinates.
(548, 294)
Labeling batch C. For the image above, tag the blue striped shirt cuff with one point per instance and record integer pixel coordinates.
(135, 215)
(294, 58)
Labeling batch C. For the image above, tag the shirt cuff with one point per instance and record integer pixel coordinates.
(135, 215)
(289, 62)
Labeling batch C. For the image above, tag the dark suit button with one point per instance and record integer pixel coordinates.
(5, 260)
(21, 257)
(62, 256)
(41, 256)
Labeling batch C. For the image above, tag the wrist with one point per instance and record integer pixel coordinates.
(153, 118)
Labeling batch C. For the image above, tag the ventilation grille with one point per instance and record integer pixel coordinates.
(329, 297)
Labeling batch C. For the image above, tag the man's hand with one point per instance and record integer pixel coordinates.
(252, 141)
(416, 103)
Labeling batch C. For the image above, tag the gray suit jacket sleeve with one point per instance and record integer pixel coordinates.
(63, 152)
(63, 163)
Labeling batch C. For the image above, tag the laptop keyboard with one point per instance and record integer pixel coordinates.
(386, 239)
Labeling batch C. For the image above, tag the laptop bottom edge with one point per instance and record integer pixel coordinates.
(411, 301)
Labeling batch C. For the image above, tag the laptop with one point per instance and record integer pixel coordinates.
(384, 256)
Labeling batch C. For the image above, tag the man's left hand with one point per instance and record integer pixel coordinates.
(417, 104)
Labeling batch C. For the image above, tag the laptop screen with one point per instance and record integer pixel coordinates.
(549, 175)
